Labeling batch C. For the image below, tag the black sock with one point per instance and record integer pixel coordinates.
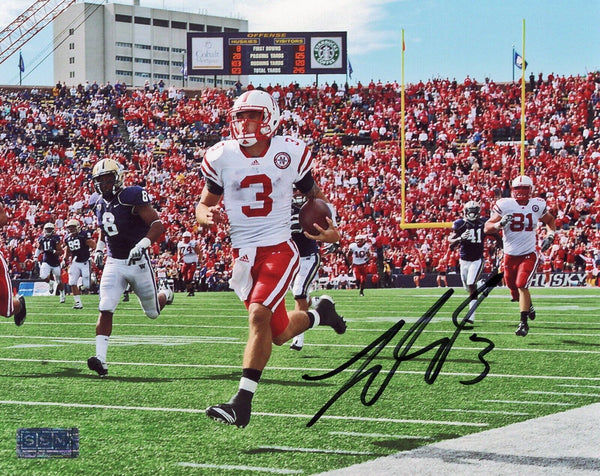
(311, 319)
(524, 316)
(252, 374)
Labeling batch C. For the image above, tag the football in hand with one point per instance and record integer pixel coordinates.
(313, 211)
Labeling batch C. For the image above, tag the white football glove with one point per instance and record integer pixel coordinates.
(137, 251)
(466, 235)
(99, 258)
(506, 219)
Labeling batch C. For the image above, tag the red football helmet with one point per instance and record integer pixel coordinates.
(522, 189)
(255, 100)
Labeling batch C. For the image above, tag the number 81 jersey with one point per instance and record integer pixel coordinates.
(257, 191)
(122, 228)
(520, 234)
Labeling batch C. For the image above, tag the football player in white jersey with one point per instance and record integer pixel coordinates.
(189, 251)
(359, 254)
(518, 218)
(255, 173)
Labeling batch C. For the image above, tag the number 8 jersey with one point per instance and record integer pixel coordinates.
(520, 234)
(122, 227)
(257, 191)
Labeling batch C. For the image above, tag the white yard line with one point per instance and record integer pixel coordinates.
(230, 467)
(521, 402)
(267, 414)
(300, 369)
(570, 394)
(492, 412)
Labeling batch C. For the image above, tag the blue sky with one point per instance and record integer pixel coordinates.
(444, 38)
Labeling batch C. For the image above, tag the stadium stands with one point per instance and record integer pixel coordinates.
(462, 143)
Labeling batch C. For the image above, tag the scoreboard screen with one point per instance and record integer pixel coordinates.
(244, 53)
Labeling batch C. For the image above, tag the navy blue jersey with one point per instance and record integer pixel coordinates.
(48, 245)
(305, 245)
(122, 228)
(78, 247)
(471, 249)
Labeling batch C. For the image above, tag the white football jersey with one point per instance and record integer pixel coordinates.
(360, 254)
(257, 191)
(188, 251)
(519, 236)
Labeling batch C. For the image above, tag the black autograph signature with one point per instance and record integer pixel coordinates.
(404, 352)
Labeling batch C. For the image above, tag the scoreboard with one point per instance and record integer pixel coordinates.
(244, 53)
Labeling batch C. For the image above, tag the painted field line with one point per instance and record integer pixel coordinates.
(384, 420)
(293, 449)
(229, 467)
(560, 404)
(379, 435)
(578, 386)
(569, 394)
(269, 414)
(149, 324)
(493, 412)
(300, 369)
(237, 341)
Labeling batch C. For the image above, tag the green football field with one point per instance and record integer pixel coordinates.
(147, 417)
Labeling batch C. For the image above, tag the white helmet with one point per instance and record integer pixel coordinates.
(186, 234)
(522, 188)
(255, 100)
(106, 167)
(73, 223)
(48, 228)
(472, 210)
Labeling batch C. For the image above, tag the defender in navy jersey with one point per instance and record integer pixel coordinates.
(128, 226)
(78, 244)
(468, 233)
(50, 247)
(310, 260)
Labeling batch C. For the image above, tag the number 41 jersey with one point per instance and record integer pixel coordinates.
(257, 191)
(519, 236)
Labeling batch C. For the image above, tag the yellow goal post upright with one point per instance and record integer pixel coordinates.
(403, 224)
(523, 104)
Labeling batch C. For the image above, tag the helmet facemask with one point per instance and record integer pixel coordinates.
(48, 229)
(105, 187)
(522, 194)
(522, 189)
(472, 211)
(249, 130)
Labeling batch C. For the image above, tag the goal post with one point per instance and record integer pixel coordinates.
(403, 224)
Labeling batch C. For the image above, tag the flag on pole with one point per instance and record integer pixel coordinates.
(21, 63)
(519, 61)
(350, 70)
(184, 67)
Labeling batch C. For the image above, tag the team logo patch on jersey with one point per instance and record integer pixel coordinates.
(282, 160)
(535, 208)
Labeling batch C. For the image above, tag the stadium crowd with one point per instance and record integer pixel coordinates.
(462, 143)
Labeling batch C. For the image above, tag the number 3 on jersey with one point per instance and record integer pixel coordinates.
(263, 196)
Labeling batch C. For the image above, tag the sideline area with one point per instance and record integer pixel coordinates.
(562, 444)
